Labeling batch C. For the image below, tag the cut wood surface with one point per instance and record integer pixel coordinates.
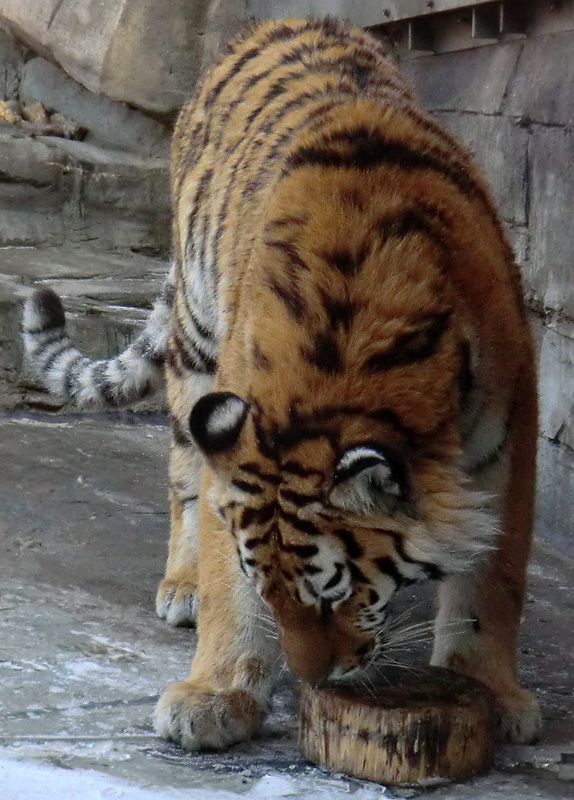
(427, 726)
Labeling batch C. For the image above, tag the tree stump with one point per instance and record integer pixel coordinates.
(428, 726)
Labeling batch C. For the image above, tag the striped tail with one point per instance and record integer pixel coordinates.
(135, 374)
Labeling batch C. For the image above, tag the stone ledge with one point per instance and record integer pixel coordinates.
(108, 122)
(58, 191)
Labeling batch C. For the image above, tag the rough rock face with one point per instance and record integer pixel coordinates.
(144, 52)
(108, 122)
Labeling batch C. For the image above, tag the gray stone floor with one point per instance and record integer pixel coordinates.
(83, 534)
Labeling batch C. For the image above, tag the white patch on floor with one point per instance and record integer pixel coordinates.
(22, 780)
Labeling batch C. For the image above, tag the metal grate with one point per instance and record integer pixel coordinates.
(417, 27)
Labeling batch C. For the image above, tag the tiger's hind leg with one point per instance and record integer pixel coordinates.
(176, 599)
(479, 615)
(228, 692)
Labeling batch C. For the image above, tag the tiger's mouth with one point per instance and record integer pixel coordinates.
(318, 650)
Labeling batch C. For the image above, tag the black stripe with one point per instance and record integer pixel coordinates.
(223, 123)
(327, 413)
(324, 354)
(254, 469)
(294, 434)
(430, 570)
(412, 347)
(246, 56)
(202, 185)
(207, 360)
(59, 336)
(144, 347)
(357, 575)
(345, 261)
(340, 313)
(289, 293)
(360, 464)
(336, 579)
(185, 359)
(202, 330)
(196, 360)
(302, 525)
(399, 544)
(73, 372)
(310, 588)
(198, 201)
(258, 516)
(103, 384)
(286, 220)
(422, 219)
(53, 357)
(290, 251)
(278, 88)
(352, 547)
(249, 83)
(246, 486)
(284, 32)
(256, 541)
(269, 158)
(298, 498)
(300, 550)
(387, 566)
(275, 90)
(364, 149)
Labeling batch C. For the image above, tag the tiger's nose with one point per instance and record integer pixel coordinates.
(316, 651)
(310, 655)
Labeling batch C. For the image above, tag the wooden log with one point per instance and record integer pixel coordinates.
(426, 727)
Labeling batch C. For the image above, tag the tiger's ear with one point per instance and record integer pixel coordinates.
(216, 422)
(368, 478)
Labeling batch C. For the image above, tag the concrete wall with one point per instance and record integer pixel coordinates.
(514, 105)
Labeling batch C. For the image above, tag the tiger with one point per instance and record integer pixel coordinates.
(350, 378)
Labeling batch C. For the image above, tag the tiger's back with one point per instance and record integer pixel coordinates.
(313, 120)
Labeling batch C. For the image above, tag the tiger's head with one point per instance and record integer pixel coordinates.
(331, 513)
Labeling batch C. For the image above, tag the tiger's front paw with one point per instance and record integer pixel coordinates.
(519, 719)
(176, 602)
(207, 720)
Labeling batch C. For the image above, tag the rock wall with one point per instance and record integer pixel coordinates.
(514, 105)
(143, 52)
